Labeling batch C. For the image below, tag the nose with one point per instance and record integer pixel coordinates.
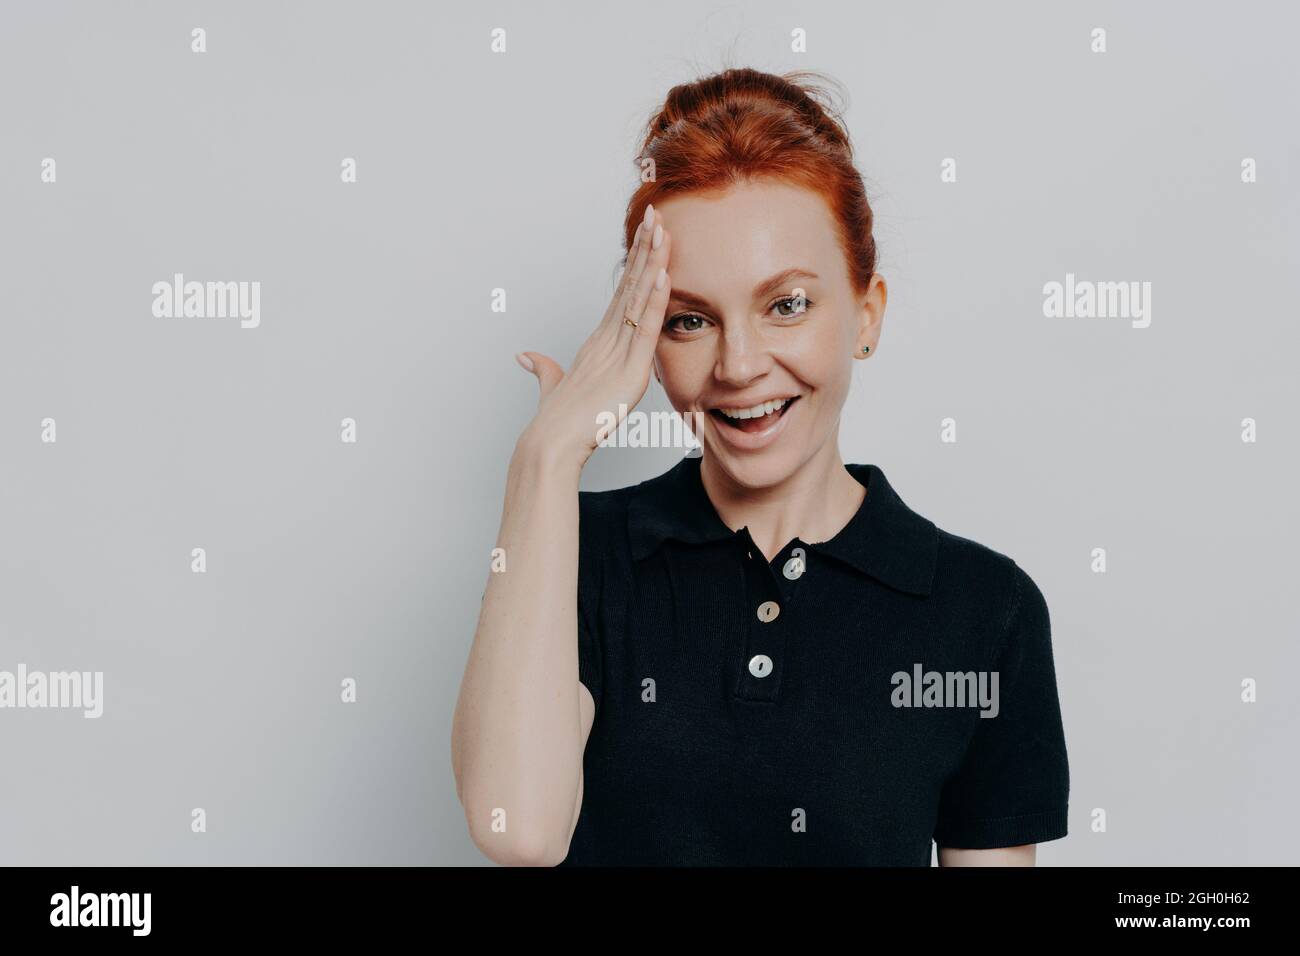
(742, 356)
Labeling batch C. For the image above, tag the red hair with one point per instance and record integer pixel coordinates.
(742, 124)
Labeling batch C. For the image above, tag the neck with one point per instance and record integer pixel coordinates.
(812, 504)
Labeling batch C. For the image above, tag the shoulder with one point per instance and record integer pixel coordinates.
(605, 539)
(603, 509)
(603, 517)
(972, 572)
(599, 506)
(611, 508)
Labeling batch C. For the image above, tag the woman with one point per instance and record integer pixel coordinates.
(777, 661)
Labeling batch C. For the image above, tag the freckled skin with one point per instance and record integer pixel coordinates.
(724, 245)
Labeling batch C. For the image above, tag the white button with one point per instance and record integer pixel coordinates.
(793, 568)
(767, 611)
(760, 665)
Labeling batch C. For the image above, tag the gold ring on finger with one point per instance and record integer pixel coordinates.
(630, 322)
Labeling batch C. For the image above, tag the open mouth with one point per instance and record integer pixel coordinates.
(755, 422)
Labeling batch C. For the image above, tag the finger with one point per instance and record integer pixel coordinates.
(656, 264)
(634, 278)
(546, 369)
(646, 337)
(612, 312)
(607, 330)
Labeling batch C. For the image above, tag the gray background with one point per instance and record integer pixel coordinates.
(328, 560)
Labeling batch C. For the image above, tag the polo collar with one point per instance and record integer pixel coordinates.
(885, 539)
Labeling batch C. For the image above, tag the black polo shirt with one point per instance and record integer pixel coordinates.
(820, 709)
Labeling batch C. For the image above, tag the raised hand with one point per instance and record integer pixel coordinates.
(612, 368)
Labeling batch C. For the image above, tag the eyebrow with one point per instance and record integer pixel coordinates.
(761, 290)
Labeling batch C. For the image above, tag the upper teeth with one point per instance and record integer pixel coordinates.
(758, 411)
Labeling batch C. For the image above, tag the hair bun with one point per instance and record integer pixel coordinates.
(742, 124)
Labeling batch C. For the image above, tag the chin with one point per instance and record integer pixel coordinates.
(760, 455)
(757, 469)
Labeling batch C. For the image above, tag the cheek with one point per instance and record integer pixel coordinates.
(820, 356)
(682, 374)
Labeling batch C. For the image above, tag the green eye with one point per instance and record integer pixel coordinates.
(686, 317)
(798, 305)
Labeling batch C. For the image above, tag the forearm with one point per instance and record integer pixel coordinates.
(516, 735)
(1002, 856)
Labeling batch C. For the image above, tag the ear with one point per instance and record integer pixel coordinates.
(871, 315)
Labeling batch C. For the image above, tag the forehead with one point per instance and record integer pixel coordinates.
(728, 241)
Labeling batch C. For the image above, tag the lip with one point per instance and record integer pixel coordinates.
(750, 403)
(750, 441)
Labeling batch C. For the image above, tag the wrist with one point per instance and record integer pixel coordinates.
(537, 454)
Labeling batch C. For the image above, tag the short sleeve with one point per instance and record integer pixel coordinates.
(1012, 787)
(590, 658)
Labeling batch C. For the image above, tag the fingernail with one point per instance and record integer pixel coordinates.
(525, 361)
(661, 278)
(659, 237)
(649, 215)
